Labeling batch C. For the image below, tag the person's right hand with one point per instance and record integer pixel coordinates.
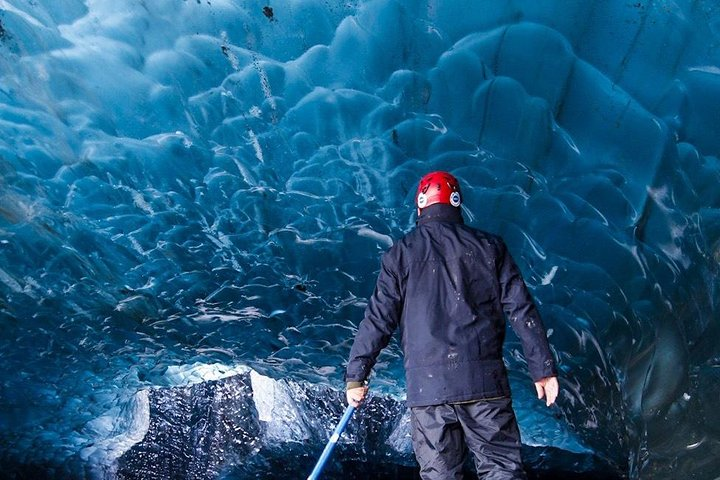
(549, 388)
(355, 396)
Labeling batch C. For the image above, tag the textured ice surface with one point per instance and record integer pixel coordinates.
(195, 432)
(190, 189)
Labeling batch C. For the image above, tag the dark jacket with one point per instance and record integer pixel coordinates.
(450, 289)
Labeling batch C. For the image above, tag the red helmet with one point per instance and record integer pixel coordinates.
(438, 187)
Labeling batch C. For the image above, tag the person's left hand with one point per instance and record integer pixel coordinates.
(355, 396)
(549, 388)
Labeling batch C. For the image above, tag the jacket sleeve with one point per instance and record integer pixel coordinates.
(523, 316)
(382, 317)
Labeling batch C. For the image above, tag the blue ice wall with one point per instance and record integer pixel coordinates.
(193, 188)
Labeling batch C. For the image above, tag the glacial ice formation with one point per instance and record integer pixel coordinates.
(194, 196)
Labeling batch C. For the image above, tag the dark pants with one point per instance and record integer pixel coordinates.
(442, 433)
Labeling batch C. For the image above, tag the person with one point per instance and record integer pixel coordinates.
(450, 289)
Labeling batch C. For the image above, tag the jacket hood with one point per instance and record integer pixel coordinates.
(440, 213)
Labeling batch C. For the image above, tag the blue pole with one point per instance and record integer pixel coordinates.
(331, 443)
